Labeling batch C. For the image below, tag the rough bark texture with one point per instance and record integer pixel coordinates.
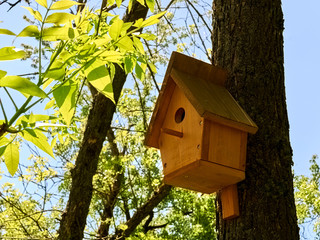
(74, 218)
(248, 42)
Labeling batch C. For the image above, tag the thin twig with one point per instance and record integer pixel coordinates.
(200, 15)
(11, 99)
(3, 111)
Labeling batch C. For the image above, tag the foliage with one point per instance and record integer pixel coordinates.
(307, 195)
(85, 52)
(82, 50)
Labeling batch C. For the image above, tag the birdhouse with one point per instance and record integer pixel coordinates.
(201, 130)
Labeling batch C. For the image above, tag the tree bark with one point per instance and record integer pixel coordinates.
(74, 218)
(248, 42)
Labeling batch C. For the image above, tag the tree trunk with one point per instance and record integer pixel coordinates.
(74, 218)
(248, 42)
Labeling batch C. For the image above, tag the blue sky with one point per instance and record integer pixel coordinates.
(302, 51)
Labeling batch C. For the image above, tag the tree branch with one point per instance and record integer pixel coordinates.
(142, 212)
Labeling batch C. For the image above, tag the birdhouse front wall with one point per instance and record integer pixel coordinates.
(181, 117)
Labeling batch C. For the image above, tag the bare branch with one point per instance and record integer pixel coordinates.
(142, 212)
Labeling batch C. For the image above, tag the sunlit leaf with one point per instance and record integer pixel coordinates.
(49, 104)
(37, 138)
(118, 2)
(65, 97)
(138, 45)
(8, 53)
(60, 18)
(98, 76)
(130, 5)
(153, 19)
(128, 65)
(56, 71)
(6, 32)
(152, 67)
(2, 73)
(30, 31)
(4, 141)
(112, 56)
(2, 149)
(115, 29)
(23, 85)
(63, 4)
(110, 2)
(58, 33)
(125, 43)
(150, 4)
(141, 2)
(147, 36)
(11, 158)
(43, 3)
(34, 13)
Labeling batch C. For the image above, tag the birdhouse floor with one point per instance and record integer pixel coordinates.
(204, 176)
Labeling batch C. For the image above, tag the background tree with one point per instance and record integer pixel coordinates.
(247, 41)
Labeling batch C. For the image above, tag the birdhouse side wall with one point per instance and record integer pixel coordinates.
(177, 151)
(224, 145)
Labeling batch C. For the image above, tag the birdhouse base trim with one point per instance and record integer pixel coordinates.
(204, 176)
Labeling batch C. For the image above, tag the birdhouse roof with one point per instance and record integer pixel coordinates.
(203, 86)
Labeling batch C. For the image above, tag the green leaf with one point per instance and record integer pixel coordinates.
(37, 138)
(125, 43)
(34, 13)
(138, 23)
(49, 104)
(150, 4)
(23, 85)
(6, 32)
(141, 2)
(2, 149)
(152, 67)
(118, 2)
(63, 4)
(138, 45)
(32, 118)
(60, 18)
(147, 36)
(98, 76)
(8, 53)
(58, 33)
(130, 5)
(65, 97)
(112, 56)
(11, 158)
(2, 73)
(153, 19)
(110, 2)
(43, 3)
(30, 31)
(56, 71)
(4, 141)
(115, 29)
(129, 65)
(139, 72)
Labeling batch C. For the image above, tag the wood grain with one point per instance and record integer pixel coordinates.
(230, 202)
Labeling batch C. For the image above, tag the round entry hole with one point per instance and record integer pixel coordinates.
(179, 116)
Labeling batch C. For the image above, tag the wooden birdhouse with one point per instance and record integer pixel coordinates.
(201, 131)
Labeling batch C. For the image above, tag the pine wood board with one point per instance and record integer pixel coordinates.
(204, 176)
(177, 152)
